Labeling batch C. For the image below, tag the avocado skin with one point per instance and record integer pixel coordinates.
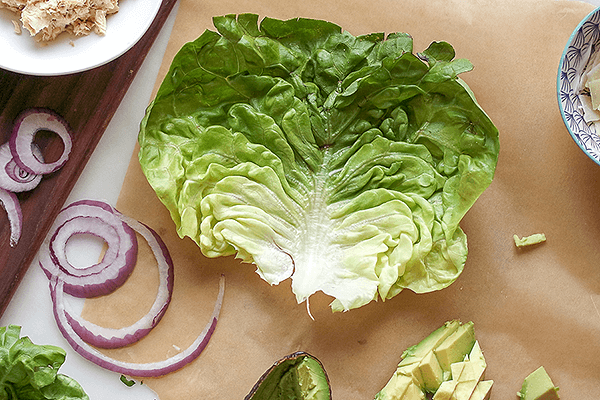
(282, 381)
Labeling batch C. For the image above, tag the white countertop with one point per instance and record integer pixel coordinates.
(101, 179)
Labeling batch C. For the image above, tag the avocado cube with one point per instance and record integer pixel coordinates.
(445, 390)
(465, 376)
(538, 386)
(476, 356)
(395, 388)
(411, 371)
(482, 390)
(417, 352)
(413, 392)
(456, 346)
(431, 373)
(472, 373)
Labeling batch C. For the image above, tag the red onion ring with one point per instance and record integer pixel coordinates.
(10, 203)
(12, 177)
(27, 125)
(114, 338)
(100, 219)
(151, 369)
(22, 162)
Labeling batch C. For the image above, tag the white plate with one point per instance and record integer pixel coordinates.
(69, 54)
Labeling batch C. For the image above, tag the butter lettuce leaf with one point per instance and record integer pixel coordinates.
(344, 163)
(30, 371)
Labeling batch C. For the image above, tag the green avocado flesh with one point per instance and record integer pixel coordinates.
(298, 376)
(448, 364)
(538, 386)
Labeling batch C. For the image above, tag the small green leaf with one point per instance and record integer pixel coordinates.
(126, 381)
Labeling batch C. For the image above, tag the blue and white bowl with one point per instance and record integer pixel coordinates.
(583, 43)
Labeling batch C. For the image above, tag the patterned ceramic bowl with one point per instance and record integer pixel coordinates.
(582, 45)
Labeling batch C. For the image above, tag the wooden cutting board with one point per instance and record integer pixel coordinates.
(87, 100)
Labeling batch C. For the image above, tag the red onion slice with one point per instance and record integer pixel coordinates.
(27, 125)
(151, 369)
(114, 338)
(12, 177)
(100, 219)
(11, 205)
(97, 219)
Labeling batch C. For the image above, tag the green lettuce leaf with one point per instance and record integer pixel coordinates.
(344, 163)
(30, 371)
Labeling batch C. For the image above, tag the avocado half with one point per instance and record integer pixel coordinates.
(298, 376)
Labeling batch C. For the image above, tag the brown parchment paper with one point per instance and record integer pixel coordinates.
(531, 307)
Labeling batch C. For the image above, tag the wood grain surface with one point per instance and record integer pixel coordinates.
(87, 100)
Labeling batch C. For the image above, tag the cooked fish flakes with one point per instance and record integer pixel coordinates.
(46, 19)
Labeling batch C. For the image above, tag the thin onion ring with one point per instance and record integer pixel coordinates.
(27, 125)
(20, 153)
(99, 279)
(10, 203)
(82, 334)
(12, 177)
(115, 338)
(151, 369)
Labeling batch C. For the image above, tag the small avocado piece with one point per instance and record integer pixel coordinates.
(420, 362)
(465, 376)
(456, 346)
(538, 386)
(472, 374)
(417, 352)
(400, 386)
(431, 373)
(445, 390)
(421, 365)
(413, 392)
(529, 240)
(482, 390)
(298, 376)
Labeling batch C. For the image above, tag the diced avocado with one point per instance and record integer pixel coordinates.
(417, 352)
(413, 392)
(448, 363)
(465, 387)
(298, 376)
(538, 386)
(445, 390)
(457, 370)
(529, 240)
(482, 390)
(417, 360)
(412, 371)
(465, 376)
(456, 346)
(471, 375)
(476, 356)
(395, 388)
(431, 373)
